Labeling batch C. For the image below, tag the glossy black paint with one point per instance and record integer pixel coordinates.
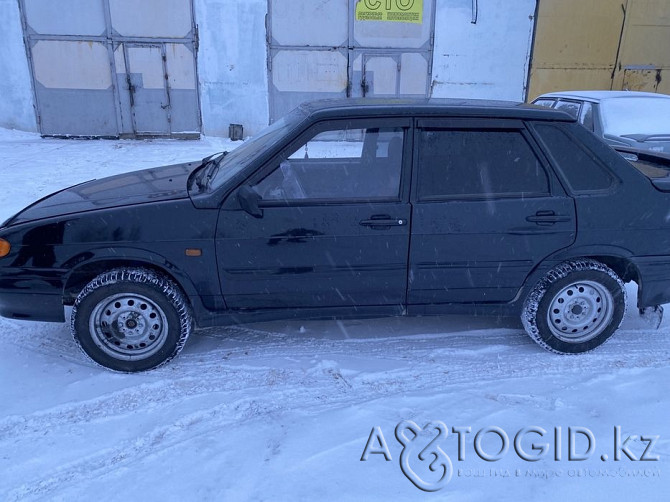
(139, 187)
(261, 259)
(484, 250)
(56, 256)
(314, 256)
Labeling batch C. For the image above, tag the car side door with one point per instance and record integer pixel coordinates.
(329, 223)
(487, 209)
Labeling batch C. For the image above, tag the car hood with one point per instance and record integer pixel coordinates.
(137, 187)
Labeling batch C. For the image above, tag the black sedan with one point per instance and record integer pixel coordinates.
(351, 208)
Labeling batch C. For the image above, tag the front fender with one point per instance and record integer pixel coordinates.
(96, 260)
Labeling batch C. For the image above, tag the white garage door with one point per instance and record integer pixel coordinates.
(348, 48)
(113, 68)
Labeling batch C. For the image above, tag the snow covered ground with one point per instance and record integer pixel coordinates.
(284, 410)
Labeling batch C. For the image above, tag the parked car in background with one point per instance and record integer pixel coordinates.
(351, 208)
(639, 120)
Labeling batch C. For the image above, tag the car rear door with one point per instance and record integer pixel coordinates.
(334, 229)
(486, 211)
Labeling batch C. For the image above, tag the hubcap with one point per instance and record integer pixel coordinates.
(580, 312)
(128, 326)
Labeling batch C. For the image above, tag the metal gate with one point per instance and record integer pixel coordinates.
(601, 44)
(113, 68)
(348, 48)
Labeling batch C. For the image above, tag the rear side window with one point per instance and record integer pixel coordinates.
(571, 107)
(586, 116)
(544, 102)
(583, 171)
(477, 164)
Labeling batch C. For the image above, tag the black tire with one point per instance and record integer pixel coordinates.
(131, 319)
(575, 308)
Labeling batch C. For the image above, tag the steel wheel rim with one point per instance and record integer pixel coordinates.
(128, 326)
(580, 312)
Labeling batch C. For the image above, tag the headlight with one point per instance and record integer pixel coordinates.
(4, 248)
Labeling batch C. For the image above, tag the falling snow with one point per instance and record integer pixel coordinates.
(283, 410)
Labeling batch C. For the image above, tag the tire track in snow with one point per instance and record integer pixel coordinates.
(324, 394)
(245, 364)
(120, 403)
(421, 360)
(110, 460)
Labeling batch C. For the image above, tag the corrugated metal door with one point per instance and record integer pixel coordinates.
(392, 47)
(329, 49)
(575, 45)
(72, 75)
(149, 99)
(308, 45)
(645, 78)
(644, 56)
(110, 68)
(601, 44)
(380, 75)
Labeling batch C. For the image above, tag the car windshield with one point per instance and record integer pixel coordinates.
(237, 159)
(648, 116)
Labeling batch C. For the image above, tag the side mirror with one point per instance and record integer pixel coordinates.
(249, 199)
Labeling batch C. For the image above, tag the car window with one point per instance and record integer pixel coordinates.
(236, 160)
(639, 116)
(581, 167)
(341, 164)
(572, 107)
(544, 102)
(478, 163)
(586, 115)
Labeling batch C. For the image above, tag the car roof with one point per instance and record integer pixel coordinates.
(597, 96)
(366, 107)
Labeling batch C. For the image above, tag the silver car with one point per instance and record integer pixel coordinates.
(639, 120)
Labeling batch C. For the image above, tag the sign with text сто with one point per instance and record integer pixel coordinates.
(401, 11)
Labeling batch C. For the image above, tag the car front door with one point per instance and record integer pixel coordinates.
(330, 225)
(486, 211)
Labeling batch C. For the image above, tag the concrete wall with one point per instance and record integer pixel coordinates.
(232, 65)
(16, 94)
(487, 59)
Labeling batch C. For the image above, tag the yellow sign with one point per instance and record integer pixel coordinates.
(399, 11)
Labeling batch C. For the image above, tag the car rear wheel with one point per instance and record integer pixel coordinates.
(575, 308)
(131, 319)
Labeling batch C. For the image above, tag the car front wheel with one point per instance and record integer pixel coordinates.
(575, 308)
(131, 319)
